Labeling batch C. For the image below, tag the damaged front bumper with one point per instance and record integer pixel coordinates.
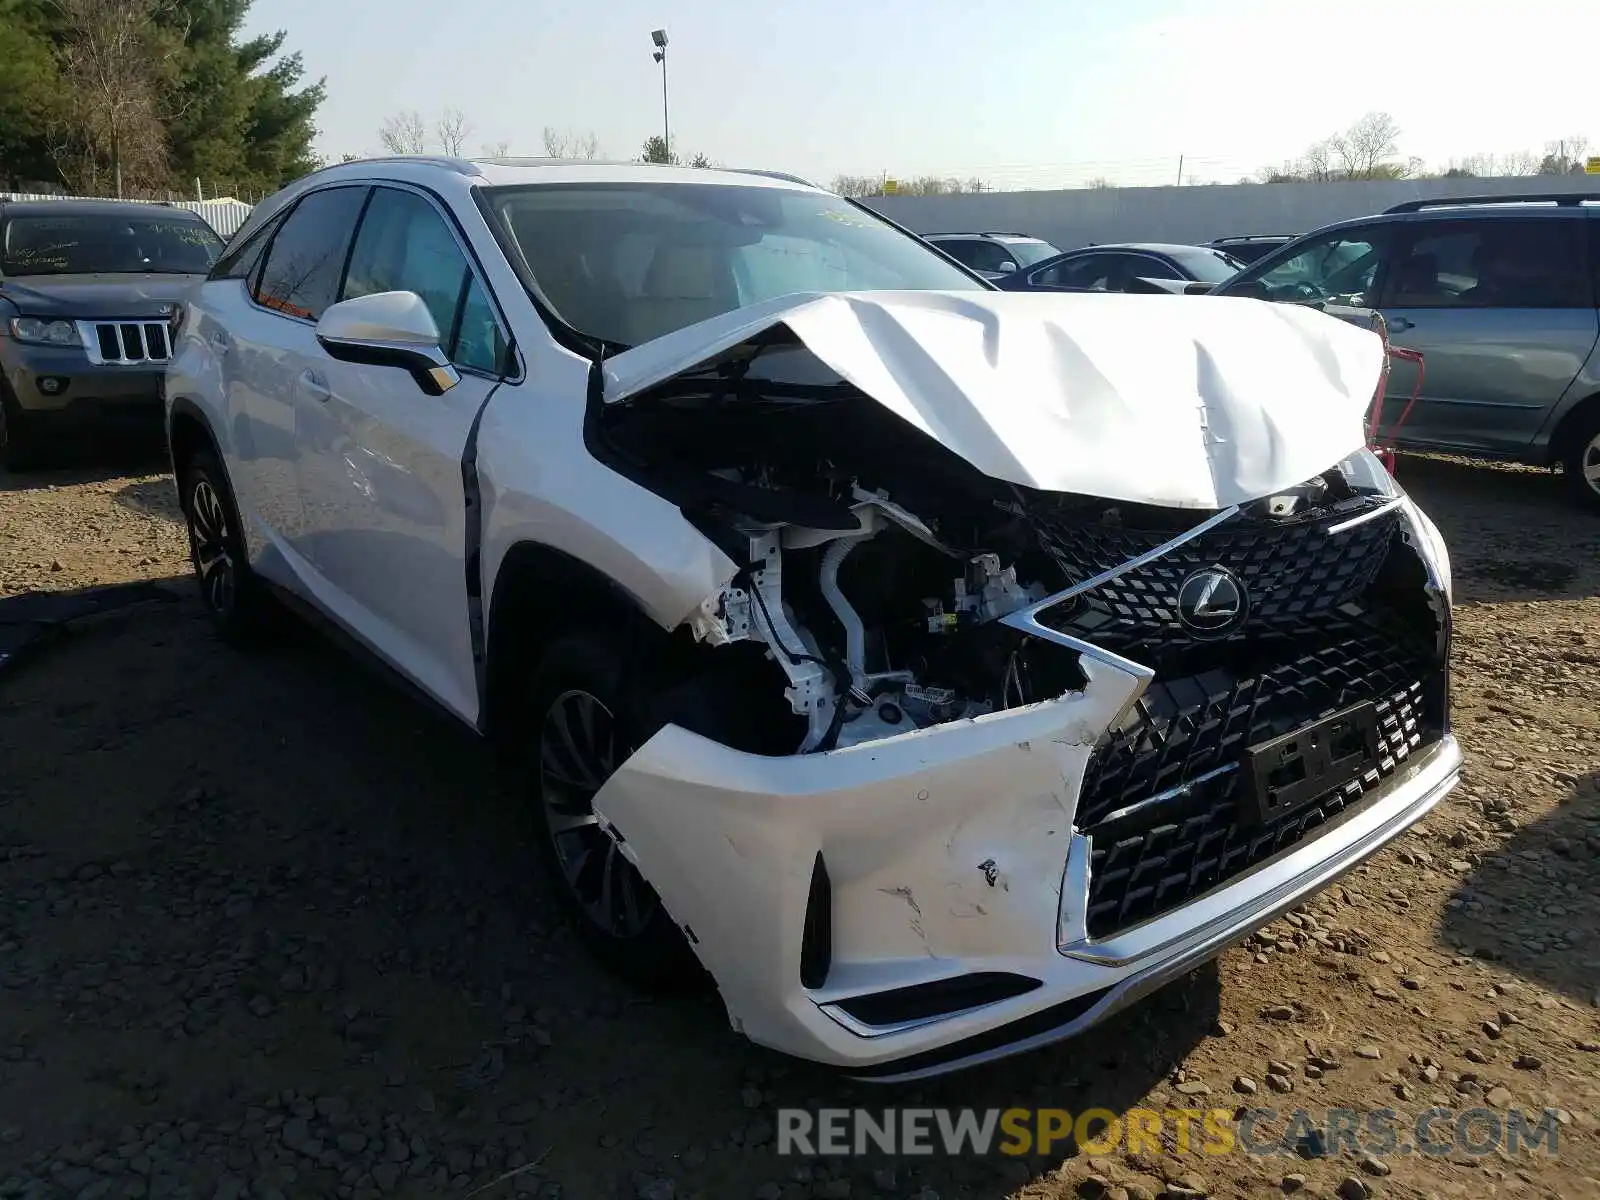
(913, 905)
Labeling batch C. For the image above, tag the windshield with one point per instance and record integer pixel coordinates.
(629, 262)
(1208, 266)
(95, 244)
(1029, 251)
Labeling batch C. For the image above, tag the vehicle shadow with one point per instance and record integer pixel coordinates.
(1557, 545)
(377, 880)
(1532, 903)
(87, 463)
(151, 498)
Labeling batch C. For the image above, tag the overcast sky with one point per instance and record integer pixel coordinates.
(1022, 93)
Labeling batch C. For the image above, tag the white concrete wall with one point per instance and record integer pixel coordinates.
(1189, 214)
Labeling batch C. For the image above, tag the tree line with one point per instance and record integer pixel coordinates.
(410, 132)
(142, 97)
(1369, 149)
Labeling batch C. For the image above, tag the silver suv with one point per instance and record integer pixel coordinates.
(1498, 294)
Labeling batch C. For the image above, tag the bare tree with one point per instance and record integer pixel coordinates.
(451, 130)
(700, 160)
(1362, 150)
(1316, 164)
(1099, 184)
(497, 149)
(857, 185)
(404, 133)
(558, 144)
(117, 58)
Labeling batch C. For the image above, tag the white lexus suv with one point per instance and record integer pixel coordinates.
(940, 669)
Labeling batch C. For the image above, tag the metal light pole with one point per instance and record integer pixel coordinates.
(659, 37)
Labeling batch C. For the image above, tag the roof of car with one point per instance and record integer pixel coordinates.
(98, 208)
(500, 172)
(460, 176)
(999, 237)
(1148, 247)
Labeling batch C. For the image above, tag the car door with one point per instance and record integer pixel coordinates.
(381, 462)
(1073, 273)
(270, 345)
(227, 320)
(1502, 310)
(1148, 266)
(989, 259)
(1341, 268)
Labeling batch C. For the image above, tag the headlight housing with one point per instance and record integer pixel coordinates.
(1365, 470)
(41, 331)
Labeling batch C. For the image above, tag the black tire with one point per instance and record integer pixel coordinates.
(234, 597)
(587, 690)
(19, 449)
(1580, 461)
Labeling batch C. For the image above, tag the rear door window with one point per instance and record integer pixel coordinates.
(301, 275)
(1492, 263)
(1085, 271)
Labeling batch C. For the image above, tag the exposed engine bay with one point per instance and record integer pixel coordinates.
(877, 564)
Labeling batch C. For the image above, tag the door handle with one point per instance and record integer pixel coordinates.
(314, 386)
(1400, 324)
(219, 338)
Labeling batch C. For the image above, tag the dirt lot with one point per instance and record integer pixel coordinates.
(269, 929)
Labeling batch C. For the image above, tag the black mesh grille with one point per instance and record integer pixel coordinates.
(1183, 728)
(1334, 620)
(1168, 855)
(1293, 571)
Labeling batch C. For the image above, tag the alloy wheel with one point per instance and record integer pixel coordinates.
(578, 751)
(210, 545)
(1589, 464)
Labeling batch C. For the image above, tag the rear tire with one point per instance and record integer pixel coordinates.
(1580, 462)
(584, 710)
(234, 597)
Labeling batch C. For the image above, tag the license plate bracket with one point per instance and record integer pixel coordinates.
(1293, 769)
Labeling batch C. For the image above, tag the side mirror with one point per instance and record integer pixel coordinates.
(389, 329)
(1006, 267)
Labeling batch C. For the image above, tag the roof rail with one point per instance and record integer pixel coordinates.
(1006, 233)
(1562, 199)
(1249, 237)
(461, 166)
(783, 175)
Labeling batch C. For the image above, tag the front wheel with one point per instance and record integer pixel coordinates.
(584, 716)
(1580, 464)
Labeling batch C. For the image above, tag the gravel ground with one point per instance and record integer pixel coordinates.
(269, 929)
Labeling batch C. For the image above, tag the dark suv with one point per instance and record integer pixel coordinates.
(1498, 293)
(90, 292)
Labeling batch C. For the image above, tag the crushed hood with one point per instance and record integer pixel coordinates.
(1199, 402)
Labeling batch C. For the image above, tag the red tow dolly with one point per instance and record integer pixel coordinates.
(1392, 352)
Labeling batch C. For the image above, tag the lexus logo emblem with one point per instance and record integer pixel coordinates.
(1211, 602)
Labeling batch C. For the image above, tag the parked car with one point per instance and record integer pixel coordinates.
(1499, 295)
(89, 290)
(1251, 247)
(993, 255)
(913, 657)
(1115, 268)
